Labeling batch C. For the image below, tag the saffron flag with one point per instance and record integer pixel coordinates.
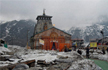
(53, 24)
(41, 41)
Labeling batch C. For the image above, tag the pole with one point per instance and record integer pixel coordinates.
(38, 44)
(0, 31)
(27, 39)
(0, 34)
(103, 38)
(77, 43)
(12, 41)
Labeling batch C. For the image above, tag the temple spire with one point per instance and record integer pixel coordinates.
(43, 11)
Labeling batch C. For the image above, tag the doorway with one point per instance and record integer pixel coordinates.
(53, 46)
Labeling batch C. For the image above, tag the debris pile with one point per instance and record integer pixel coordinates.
(49, 60)
(61, 61)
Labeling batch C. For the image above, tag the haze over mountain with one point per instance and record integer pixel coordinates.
(15, 32)
(92, 31)
(65, 12)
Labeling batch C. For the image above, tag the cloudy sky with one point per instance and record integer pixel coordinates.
(66, 13)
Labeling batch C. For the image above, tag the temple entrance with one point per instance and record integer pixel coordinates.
(54, 42)
(53, 46)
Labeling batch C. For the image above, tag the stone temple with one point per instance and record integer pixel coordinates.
(52, 37)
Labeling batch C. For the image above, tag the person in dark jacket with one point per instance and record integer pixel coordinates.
(65, 49)
(87, 52)
(79, 51)
(107, 49)
(103, 50)
(70, 49)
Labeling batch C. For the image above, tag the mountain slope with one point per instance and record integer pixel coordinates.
(15, 32)
(89, 32)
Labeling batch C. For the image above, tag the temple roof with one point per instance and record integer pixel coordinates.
(44, 15)
(55, 28)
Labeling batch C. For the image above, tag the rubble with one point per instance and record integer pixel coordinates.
(21, 67)
(18, 66)
(64, 61)
(51, 60)
(84, 64)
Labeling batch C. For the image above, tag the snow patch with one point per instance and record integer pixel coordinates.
(3, 49)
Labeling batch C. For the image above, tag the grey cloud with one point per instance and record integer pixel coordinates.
(66, 13)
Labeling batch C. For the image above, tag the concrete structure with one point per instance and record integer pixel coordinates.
(79, 42)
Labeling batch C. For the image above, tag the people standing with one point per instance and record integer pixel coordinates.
(107, 49)
(79, 51)
(70, 49)
(5, 45)
(74, 46)
(87, 52)
(103, 50)
(65, 49)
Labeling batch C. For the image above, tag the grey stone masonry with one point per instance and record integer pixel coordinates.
(42, 21)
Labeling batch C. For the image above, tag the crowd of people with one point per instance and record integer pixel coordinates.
(80, 51)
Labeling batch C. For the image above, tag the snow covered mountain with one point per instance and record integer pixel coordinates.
(15, 32)
(89, 32)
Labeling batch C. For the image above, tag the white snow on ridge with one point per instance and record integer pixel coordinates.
(92, 31)
(2, 48)
(7, 31)
(19, 29)
(14, 24)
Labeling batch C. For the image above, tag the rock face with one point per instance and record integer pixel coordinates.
(89, 32)
(15, 32)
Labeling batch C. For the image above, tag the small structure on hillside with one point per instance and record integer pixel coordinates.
(103, 41)
(79, 42)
